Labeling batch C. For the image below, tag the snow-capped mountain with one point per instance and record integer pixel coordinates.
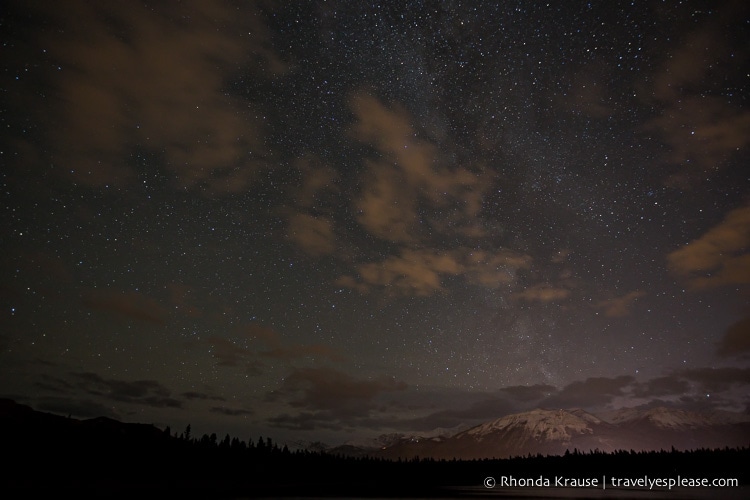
(673, 418)
(536, 431)
(554, 432)
(546, 425)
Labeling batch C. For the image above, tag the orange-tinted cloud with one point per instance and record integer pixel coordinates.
(421, 272)
(701, 127)
(147, 77)
(231, 354)
(130, 305)
(310, 224)
(542, 292)
(736, 340)
(387, 207)
(619, 306)
(258, 341)
(561, 256)
(263, 334)
(275, 347)
(183, 300)
(409, 172)
(231, 412)
(313, 234)
(318, 182)
(412, 272)
(493, 269)
(702, 133)
(719, 257)
(334, 390)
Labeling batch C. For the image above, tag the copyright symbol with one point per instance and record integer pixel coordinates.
(489, 482)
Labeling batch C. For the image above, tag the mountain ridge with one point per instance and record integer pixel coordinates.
(555, 432)
(538, 431)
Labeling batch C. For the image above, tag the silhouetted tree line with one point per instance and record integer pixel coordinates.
(55, 453)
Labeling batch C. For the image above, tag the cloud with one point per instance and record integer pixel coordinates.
(561, 256)
(387, 207)
(331, 399)
(719, 257)
(414, 272)
(683, 389)
(716, 379)
(54, 384)
(406, 175)
(131, 305)
(324, 405)
(257, 341)
(475, 413)
(313, 234)
(81, 408)
(592, 392)
(319, 183)
(183, 299)
(142, 392)
(261, 333)
(232, 412)
(273, 346)
(307, 421)
(528, 392)
(701, 126)
(688, 63)
(328, 389)
(315, 200)
(688, 403)
(201, 395)
(702, 132)
(698, 388)
(492, 269)
(736, 340)
(411, 196)
(542, 292)
(619, 306)
(230, 354)
(144, 77)
(661, 386)
(421, 272)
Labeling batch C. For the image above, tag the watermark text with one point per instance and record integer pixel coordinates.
(605, 482)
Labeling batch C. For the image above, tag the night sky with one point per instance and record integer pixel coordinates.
(336, 219)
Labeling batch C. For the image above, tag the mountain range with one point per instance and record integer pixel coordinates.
(539, 431)
(555, 432)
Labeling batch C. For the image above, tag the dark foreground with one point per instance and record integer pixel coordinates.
(49, 454)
